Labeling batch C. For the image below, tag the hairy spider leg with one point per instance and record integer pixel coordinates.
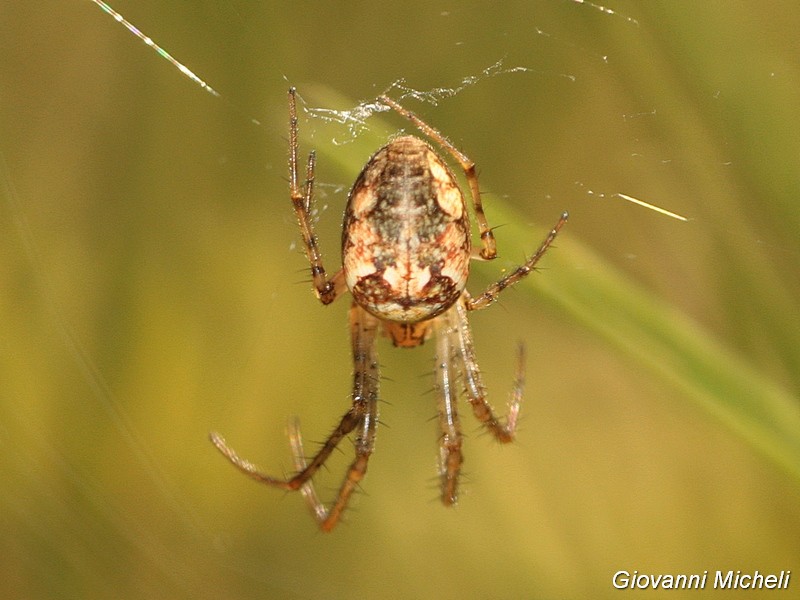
(366, 379)
(474, 388)
(455, 326)
(326, 289)
(456, 365)
(493, 291)
(318, 509)
(446, 387)
(362, 415)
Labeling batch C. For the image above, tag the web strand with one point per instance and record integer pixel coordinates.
(158, 49)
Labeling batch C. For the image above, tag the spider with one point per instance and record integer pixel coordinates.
(406, 249)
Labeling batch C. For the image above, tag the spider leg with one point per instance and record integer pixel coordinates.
(365, 388)
(473, 381)
(366, 379)
(326, 289)
(493, 291)
(450, 456)
(489, 246)
(308, 490)
(363, 416)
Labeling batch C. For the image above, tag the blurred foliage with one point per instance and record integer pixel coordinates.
(152, 290)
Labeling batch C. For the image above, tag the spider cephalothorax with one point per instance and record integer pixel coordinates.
(405, 260)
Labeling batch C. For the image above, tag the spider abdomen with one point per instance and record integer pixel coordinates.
(405, 240)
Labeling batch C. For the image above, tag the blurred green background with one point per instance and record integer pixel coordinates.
(152, 290)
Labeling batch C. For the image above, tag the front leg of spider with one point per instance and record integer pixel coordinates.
(302, 197)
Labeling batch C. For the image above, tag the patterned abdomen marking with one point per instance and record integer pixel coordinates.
(405, 241)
